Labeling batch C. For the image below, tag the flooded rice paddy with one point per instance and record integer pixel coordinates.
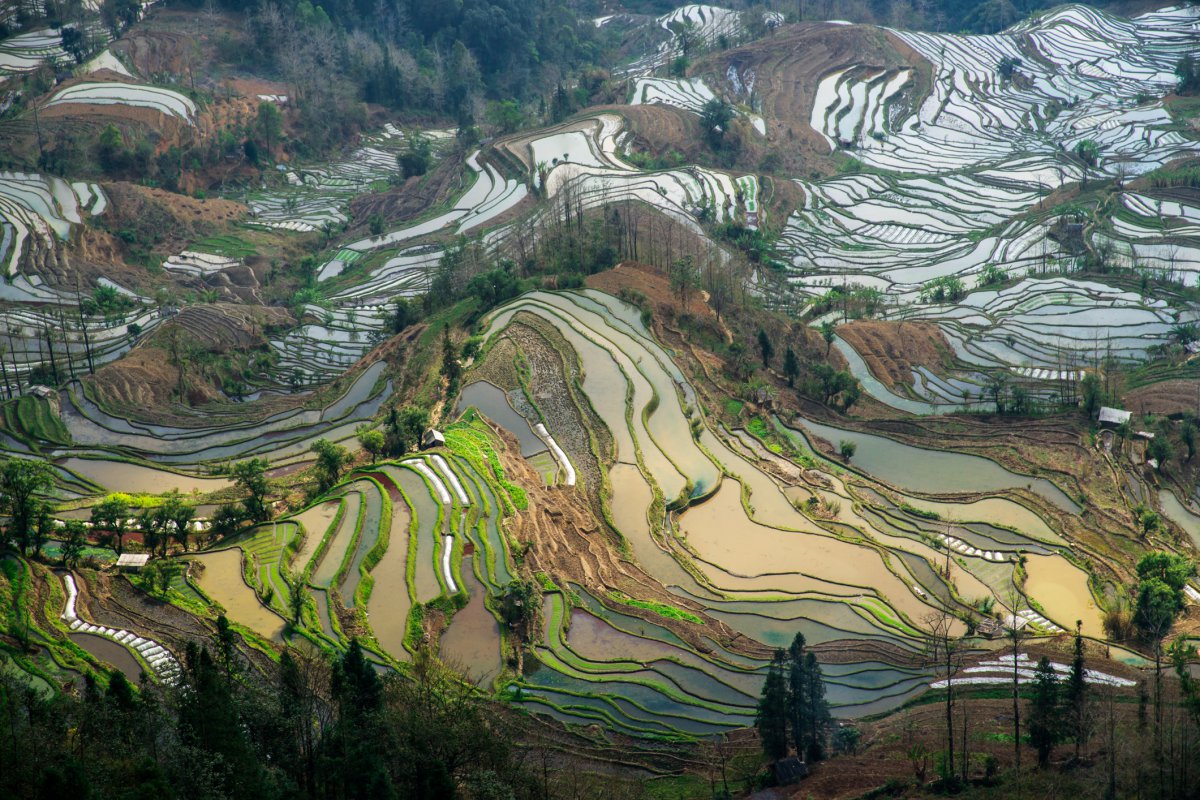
(941, 472)
(121, 476)
(390, 603)
(738, 533)
(1062, 590)
(221, 579)
(110, 652)
(472, 641)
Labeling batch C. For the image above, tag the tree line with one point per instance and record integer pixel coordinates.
(309, 727)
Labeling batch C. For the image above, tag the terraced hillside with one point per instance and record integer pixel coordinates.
(609, 507)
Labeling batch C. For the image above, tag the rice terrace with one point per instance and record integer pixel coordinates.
(599, 399)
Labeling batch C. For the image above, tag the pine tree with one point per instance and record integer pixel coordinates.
(807, 710)
(1078, 698)
(791, 366)
(1044, 718)
(772, 718)
(765, 348)
(798, 716)
(450, 366)
(818, 710)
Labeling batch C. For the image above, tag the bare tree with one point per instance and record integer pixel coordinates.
(943, 653)
(1016, 633)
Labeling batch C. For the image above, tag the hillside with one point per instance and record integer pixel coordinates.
(498, 390)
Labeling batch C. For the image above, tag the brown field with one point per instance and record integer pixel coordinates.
(892, 349)
(789, 65)
(1167, 397)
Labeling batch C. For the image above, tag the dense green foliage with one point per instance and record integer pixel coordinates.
(428, 55)
(24, 483)
(1160, 593)
(1045, 714)
(312, 729)
(793, 702)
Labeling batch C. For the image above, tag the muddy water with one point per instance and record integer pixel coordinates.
(771, 505)
(819, 622)
(118, 476)
(596, 640)
(390, 603)
(667, 425)
(720, 532)
(341, 539)
(1178, 513)
(367, 537)
(605, 385)
(774, 584)
(1062, 590)
(472, 642)
(664, 472)
(221, 579)
(316, 521)
(631, 498)
(492, 402)
(995, 510)
(425, 571)
(933, 471)
(969, 587)
(110, 652)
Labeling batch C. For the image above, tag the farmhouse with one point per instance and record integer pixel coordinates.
(132, 562)
(432, 438)
(1112, 417)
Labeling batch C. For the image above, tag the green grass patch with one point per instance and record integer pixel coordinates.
(227, 245)
(470, 440)
(662, 609)
(920, 512)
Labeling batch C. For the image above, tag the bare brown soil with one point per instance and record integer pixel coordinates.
(1167, 397)
(155, 51)
(892, 349)
(788, 67)
(410, 199)
(251, 87)
(145, 381)
(177, 218)
(643, 278)
(70, 115)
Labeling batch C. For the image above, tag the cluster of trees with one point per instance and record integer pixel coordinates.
(1187, 75)
(793, 713)
(423, 55)
(1061, 710)
(854, 301)
(57, 342)
(309, 728)
(1061, 706)
(943, 289)
(814, 379)
(25, 484)
(250, 478)
(1160, 594)
(332, 460)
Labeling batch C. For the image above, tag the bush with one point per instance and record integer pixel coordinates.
(947, 288)
(1118, 624)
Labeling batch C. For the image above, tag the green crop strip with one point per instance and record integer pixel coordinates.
(376, 553)
(469, 440)
(662, 609)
